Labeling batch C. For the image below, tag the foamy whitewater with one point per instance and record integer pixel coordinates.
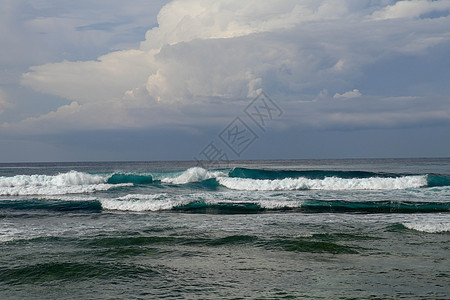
(328, 183)
(71, 182)
(251, 229)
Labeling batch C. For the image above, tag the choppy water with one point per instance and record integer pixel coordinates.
(258, 229)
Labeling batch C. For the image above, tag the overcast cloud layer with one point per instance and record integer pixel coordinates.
(346, 65)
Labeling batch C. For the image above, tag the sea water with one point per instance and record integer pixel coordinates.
(251, 229)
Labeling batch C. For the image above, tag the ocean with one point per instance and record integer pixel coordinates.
(280, 229)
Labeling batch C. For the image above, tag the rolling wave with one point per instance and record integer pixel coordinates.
(428, 227)
(328, 183)
(118, 178)
(432, 180)
(223, 203)
(311, 174)
(64, 179)
(139, 202)
(279, 180)
(242, 179)
(238, 207)
(437, 180)
(216, 203)
(195, 174)
(57, 205)
(72, 182)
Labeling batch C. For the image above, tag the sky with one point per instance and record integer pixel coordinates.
(134, 80)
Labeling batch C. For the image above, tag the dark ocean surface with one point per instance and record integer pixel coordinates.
(284, 229)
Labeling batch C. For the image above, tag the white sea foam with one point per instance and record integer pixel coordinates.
(143, 197)
(193, 175)
(139, 202)
(72, 182)
(63, 179)
(279, 204)
(157, 202)
(328, 183)
(428, 226)
(8, 232)
(54, 190)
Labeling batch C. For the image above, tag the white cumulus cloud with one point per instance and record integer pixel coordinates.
(4, 104)
(227, 51)
(411, 9)
(347, 95)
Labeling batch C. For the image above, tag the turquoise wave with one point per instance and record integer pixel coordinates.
(236, 207)
(219, 208)
(91, 206)
(438, 180)
(41, 184)
(310, 174)
(130, 178)
(208, 184)
(433, 180)
(319, 206)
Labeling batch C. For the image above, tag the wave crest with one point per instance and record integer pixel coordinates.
(195, 174)
(139, 203)
(64, 179)
(428, 227)
(328, 183)
(72, 182)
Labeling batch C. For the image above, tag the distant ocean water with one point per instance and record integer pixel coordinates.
(278, 229)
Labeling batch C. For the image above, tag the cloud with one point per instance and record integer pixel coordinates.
(348, 95)
(107, 78)
(184, 21)
(217, 54)
(368, 112)
(4, 104)
(182, 24)
(70, 30)
(411, 9)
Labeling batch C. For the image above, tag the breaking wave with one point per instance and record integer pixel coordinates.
(138, 202)
(284, 180)
(118, 178)
(429, 223)
(240, 179)
(195, 174)
(328, 183)
(428, 227)
(223, 203)
(72, 182)
(226, 207)
(227, 201)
